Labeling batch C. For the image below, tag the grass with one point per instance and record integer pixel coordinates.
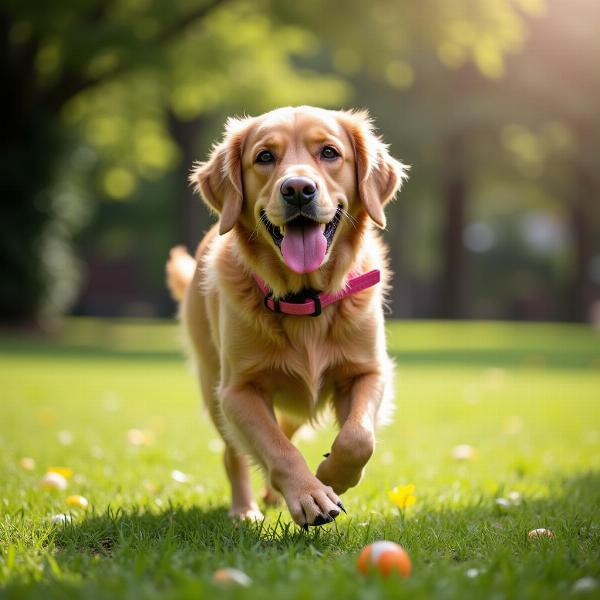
(526, 397)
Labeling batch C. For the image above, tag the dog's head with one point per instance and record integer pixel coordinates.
(298, 180)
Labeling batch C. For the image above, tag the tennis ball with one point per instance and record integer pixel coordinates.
(540, 533)
(384, 558)
(230, 576)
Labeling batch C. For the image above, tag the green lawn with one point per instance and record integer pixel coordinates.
(525, 397)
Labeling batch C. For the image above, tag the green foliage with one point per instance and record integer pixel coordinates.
(115, 74)
(142, 87)
(387, 38)
(233, 61)
(524, 396)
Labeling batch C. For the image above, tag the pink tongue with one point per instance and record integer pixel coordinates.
(303, 247)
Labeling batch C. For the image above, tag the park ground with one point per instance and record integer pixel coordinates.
(114, 402)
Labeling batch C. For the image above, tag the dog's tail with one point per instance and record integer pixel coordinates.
(180, 269)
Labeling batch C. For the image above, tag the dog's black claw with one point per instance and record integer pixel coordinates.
(326, 455)
(342, 507)
(305, 526)
(334, 513)
(322, 520)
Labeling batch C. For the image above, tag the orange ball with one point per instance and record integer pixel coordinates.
(384, 558)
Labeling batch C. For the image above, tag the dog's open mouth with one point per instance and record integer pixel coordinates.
(303, 242)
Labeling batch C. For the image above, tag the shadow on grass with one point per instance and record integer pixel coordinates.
(148, 553)
(192, 528)
(48, 349)
(502, 357)
(511, 344)
(195, 529)
(529, 356)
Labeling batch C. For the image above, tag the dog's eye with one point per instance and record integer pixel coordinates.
(265, 157)
(329, 153)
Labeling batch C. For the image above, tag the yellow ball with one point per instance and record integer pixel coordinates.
(384, 558)
(77, 501)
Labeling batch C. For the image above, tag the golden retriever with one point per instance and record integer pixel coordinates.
(299, 192)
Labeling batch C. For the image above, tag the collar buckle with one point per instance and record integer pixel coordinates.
(299, 298)
(316, 298)
(276, 308)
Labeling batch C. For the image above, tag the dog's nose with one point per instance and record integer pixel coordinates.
(299, 191)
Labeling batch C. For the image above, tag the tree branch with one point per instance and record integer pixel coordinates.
(71, 84)
(185, 20)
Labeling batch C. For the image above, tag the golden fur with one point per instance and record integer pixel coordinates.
(262, 374)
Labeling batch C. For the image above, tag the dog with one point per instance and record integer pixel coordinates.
(283, 303)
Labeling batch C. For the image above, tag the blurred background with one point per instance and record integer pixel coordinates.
(494, 103)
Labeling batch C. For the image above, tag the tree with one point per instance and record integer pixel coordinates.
(127, 77)
(557, 84)
(426, 68)
(538, 83)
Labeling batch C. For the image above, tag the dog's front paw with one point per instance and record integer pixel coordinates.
(343, 467)
(311, 503)
(338, 475)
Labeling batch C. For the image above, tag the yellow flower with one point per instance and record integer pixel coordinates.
(66, 472)
(402, 496)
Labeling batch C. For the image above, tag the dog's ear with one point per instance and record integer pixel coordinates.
(219, 179)
(379, 175)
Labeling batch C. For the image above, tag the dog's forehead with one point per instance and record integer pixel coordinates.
(303, 121)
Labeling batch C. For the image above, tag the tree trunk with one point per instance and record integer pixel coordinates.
(454, 192)
(193, 218)
(584, 209)
(32, 145)
(582, 222)
(29, 150)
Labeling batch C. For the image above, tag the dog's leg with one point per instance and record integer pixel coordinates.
(309, 501)
(243, 505)
(271, 496)
(356, 408)
(208, 368)
(242, 502)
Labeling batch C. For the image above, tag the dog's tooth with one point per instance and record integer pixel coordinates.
(323, 225)
(282, 229)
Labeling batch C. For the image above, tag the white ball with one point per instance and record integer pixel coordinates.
(53, 481)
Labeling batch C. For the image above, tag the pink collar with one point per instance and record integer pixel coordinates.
(310, 302)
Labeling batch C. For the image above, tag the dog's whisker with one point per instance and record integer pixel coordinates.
(349, 217)
(261, 219)
(253, 234)
(352, 219)
(347, 214)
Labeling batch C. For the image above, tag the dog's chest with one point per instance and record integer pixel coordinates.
(309, 360)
